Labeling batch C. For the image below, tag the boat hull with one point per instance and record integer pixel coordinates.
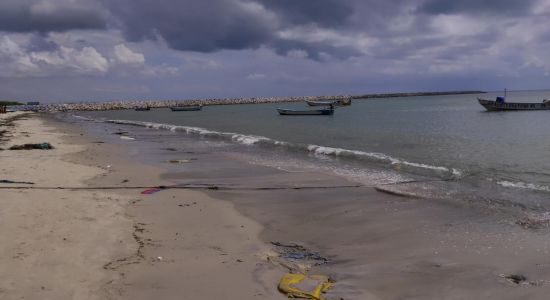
(339, 102)
(142, 109)
(186, 108)
(316, 112)
(322, 103)
(491, 105)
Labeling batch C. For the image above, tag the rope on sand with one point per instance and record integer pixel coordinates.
(163, 187)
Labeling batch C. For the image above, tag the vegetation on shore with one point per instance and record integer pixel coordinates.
(7, 103)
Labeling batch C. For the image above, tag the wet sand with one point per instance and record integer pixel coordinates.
(389, 247)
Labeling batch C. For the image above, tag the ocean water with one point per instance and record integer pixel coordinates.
(439, 147)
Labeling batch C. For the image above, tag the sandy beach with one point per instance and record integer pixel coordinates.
(92, 244)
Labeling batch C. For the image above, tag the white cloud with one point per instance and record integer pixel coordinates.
(125, 55)
(459, 25)
(17, 62)
(313, 34)
(84, 61)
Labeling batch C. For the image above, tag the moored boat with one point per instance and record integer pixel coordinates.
(501, 105)
(146, 108)
(336, 102)
(313, 112)
(186, 108)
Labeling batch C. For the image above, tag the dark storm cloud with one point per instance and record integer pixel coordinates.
(321, 12)
(35, 16)
(313, 50)
(202, 26)
(506, 7)
(207, 26)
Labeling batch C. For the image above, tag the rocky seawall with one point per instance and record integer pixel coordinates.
(132, 104)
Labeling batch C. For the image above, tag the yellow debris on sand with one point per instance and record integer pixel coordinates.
(304, 286)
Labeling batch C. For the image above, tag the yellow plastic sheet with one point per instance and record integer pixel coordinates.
(289, 281)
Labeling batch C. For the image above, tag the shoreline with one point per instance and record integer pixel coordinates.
(128, 104)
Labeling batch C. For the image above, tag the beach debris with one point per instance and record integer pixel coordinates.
(178, 161)
(295, 251)
(15, 182)
(520, 279)
(123, 137)
(397, 191)
(120, 132)
(40, 146)
(535, 221)
(514, 278)
(170, 149)
(125, 181)
(181, 161)
(151, 191)
(304, 286)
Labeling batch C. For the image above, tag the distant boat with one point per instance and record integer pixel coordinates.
(142, 108)
(186, 108)
(501, 105)
(336, 102)
(314, 112)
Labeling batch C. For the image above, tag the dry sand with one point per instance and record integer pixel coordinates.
(94, 244)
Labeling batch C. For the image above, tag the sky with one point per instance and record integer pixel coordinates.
(98, 50)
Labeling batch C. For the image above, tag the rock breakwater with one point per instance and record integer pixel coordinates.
(132, 104)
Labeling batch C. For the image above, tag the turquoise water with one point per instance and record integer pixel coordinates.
(443, 137)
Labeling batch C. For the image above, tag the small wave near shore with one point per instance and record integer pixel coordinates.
(423, 169)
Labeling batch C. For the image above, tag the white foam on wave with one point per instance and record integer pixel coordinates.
(83, 118)
(524, 185)
(322, 150)
(315, 149)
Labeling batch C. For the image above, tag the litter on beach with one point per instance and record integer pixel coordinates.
(40, 146)
(151, 191)
(304, 286)
(181, 161)
(15, 182)
(123, 137)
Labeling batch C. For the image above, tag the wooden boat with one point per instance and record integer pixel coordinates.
(336, 102)
(186, 108)
(313, 112)
(142, 108)
(322, 103)
(500, 105)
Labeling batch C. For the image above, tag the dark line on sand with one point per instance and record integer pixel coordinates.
(209, 187)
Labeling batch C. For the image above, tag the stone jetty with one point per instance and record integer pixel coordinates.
(132, 104)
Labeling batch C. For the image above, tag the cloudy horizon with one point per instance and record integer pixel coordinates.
(93, 50)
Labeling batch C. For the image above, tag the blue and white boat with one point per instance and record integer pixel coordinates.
(186, 108)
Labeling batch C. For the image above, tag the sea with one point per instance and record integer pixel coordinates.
(437, 147)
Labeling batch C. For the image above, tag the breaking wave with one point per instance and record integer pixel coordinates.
(373, 157)
(523, 185)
